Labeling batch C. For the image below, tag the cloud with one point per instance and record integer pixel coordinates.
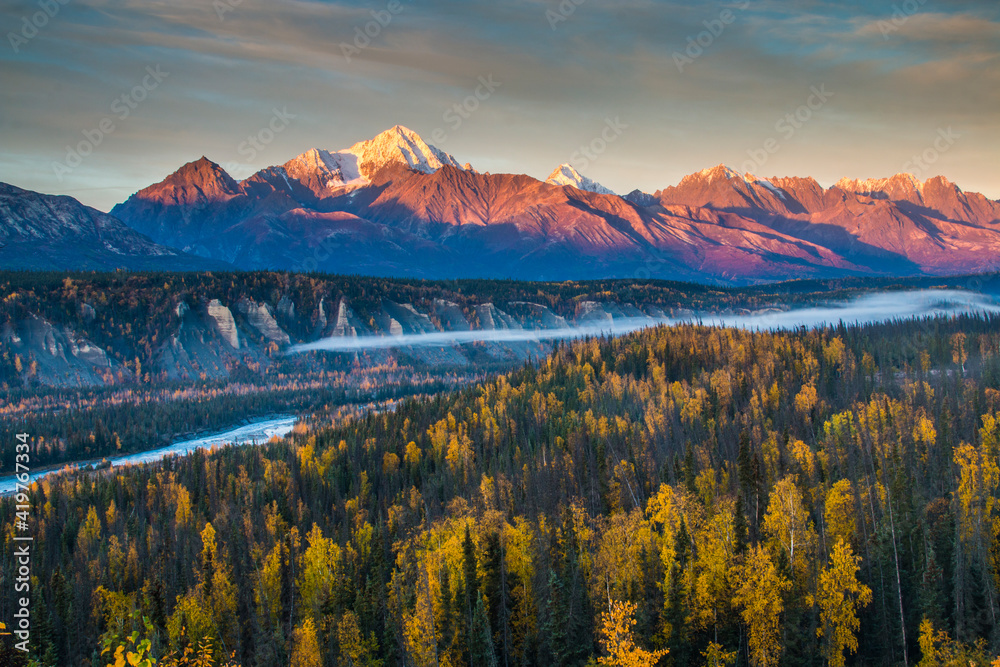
(609, 57)
(949, 30)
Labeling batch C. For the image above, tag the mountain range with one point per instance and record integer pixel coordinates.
(58, 232)
(397, 206)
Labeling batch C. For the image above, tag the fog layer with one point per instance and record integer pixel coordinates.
(870, 308)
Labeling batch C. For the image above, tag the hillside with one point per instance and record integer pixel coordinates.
(43, 232)
(765, 498)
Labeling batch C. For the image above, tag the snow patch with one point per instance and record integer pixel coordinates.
(565, 174)
(355, 166)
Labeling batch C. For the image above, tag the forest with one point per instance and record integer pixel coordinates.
(679, 496)
(137, 404)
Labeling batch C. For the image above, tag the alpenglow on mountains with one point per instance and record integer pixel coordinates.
(397, 206)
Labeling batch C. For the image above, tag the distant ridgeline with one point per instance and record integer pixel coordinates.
(722, 496)
(394, 205)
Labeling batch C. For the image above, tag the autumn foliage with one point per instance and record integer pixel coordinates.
(684, 473)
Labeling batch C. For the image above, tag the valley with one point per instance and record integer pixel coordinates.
(99, 365)
(691, 474)
(446, 334)
(254, 433)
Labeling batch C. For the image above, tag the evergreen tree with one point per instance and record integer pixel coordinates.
(496, 588)
(481, 645)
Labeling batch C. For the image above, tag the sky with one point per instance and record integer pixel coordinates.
(101, 98)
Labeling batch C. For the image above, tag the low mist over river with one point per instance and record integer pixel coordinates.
(870, 308)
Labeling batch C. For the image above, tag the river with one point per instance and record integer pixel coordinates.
(254, 433)
(868, 308)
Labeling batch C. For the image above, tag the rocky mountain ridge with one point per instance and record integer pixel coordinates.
(396, 206)
(57, 232)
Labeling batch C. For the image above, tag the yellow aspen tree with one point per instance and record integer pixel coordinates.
(418, 626)
(925, 436)
(979, 476)
(715, 547)
(840, 512)
(355, 650)
(805, 401)
(460, 455)
(978, 507)
(619, 642)
(959, 354)
(216, 587)
(840, 595)
(182, 515)
(715, 656)
(90, 534)
(305, 646)
(617, 563)
(927, 644)
(190, 624)
(412, 454)
(787, 523)
(267, 587)
(805, 457)
(758, 591)
(990, 435)
(938, 649)
(318, 571)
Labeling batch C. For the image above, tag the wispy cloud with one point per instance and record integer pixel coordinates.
(608, 57)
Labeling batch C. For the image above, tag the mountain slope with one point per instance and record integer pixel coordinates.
(394, 205)
(40, 231)
(899, 224)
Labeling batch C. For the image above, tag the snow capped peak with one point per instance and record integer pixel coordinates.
(908, 178)
(716, 173)
(324, 170)
(399, 145)
(905, 187)
(317, 158)
(565, 174)
(881, 185)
